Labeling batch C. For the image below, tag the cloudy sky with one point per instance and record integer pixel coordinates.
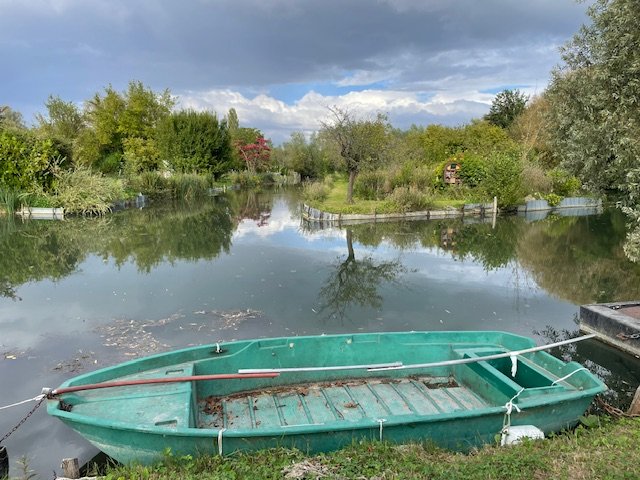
(281, 63)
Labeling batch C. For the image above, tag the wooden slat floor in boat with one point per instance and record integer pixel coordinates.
(343, 401)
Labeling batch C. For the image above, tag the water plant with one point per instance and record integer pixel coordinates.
(9, 200)
(83, 191)
(188, 186)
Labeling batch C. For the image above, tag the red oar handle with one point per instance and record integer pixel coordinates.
(149, 381)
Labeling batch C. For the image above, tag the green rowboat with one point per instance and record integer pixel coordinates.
(320, 393)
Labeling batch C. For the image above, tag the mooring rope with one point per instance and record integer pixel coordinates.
(34, 399)
(561, 379)
(506, 422)
(40, 399)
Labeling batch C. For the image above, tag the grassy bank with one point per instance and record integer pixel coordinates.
(609, 450)
(330, 196)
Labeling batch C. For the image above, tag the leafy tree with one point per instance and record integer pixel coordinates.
(232, 121)
(10, 119)
(241, 137)
(440, 142)
(361, 142)
(302, 156)
(144, 109)
(256, 155)
(484, 138)
(103, 114)
(530, 131)
(63, 120)
(503, 179)
(195, 142)
(26, 161)
(594, 122)
(114, 117)
(506, 107)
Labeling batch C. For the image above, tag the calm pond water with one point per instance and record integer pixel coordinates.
(87, 293)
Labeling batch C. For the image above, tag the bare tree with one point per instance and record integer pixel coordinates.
(361, 142)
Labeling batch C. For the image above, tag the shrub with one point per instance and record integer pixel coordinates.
(27, 161)
(267, 178)
(563, 183)
(188, 186)
(110, 164)
(472, 169)
(315, 192)
(140, 155)
(149, 183)
(552, 199)
(407, 199)
(437, 174)
(504, 179)
(370, 185)
(243, 178)
(536, 179)
(83, 191)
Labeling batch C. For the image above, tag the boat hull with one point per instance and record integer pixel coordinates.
(457, 407)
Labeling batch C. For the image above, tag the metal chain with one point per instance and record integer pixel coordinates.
(614, 411)
(632, 336)
(23, 420)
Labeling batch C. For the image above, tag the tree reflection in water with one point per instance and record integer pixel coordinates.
(356, 282)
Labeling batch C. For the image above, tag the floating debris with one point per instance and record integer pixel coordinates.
(134, 336)
(77, 364)
(13, 354)
(224, 319)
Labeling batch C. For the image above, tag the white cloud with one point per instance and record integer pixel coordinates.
(278, 119)
(425, 61)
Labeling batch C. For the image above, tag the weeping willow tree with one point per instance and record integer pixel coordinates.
(594, 119)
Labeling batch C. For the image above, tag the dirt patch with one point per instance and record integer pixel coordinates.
(308, 469)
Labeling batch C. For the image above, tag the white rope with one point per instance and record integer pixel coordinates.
(567, 376)
(34, 399)
(514, 365)
(381, 421)
(510, 405)
(220, 441)
(506, 422)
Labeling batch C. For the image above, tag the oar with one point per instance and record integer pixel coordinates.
(512, 353)
(401, 366)
(373, 366)
(151, 381)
